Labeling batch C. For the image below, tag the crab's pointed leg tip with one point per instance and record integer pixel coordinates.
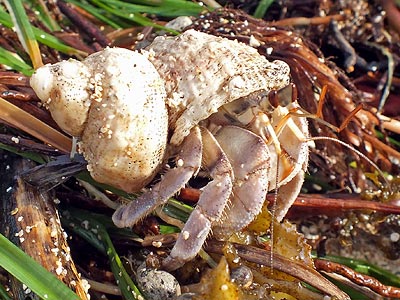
(118, 218)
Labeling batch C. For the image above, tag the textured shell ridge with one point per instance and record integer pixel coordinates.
(203, 72)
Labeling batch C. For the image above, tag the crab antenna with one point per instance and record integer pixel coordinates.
(273, 213)
(321, 102)
(359, 153)
(306, 114)
(318, 116)
(349, 117)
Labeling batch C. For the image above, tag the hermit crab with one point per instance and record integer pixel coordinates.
(197, 98)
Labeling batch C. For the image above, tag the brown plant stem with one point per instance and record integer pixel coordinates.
(301, 21)
(358, 278)
(332, 204)
(92, 30)
(19, 118)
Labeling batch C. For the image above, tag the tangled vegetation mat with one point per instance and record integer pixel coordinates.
(339, 239)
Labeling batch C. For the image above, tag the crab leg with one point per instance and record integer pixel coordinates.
(291, 132)
(188, 163)
(249, 157)
(287, 195)
(210, 206)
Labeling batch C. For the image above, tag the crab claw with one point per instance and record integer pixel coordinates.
(249, 156)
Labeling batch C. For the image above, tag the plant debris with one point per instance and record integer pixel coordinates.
(344, 54)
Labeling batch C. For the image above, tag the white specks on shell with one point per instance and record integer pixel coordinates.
(114, 100)
(126, 139)
(394, 237)
(63, 88)
(202, 72)
(180, 162)
(224, 287)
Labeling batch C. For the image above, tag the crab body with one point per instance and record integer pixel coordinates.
(209, 94)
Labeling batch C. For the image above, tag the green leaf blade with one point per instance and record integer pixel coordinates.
(24, 31)
(32, 274)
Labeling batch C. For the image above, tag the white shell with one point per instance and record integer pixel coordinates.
(64, 89)
(125, 133)
(116, 101)
(202, 72)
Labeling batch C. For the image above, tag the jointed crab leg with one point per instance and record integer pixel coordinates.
(251, 178)
(188, 163)
(141, 108)
(287, 195)
(283, 131)
(212, 203)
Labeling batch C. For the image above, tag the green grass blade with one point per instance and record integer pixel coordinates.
(149, 2)
(125, 283)
(54, 43)
(5, 18)
(130, 16)
(166, 229)
(168, 8)
(43, 14)
(133, 17)
(96, 232)
(100, 14)
(23, 153)
(43, 37)
(393, 141)
(24, 31)
(3, 293)
(11, 60)
(27, 270)
(262, 8)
